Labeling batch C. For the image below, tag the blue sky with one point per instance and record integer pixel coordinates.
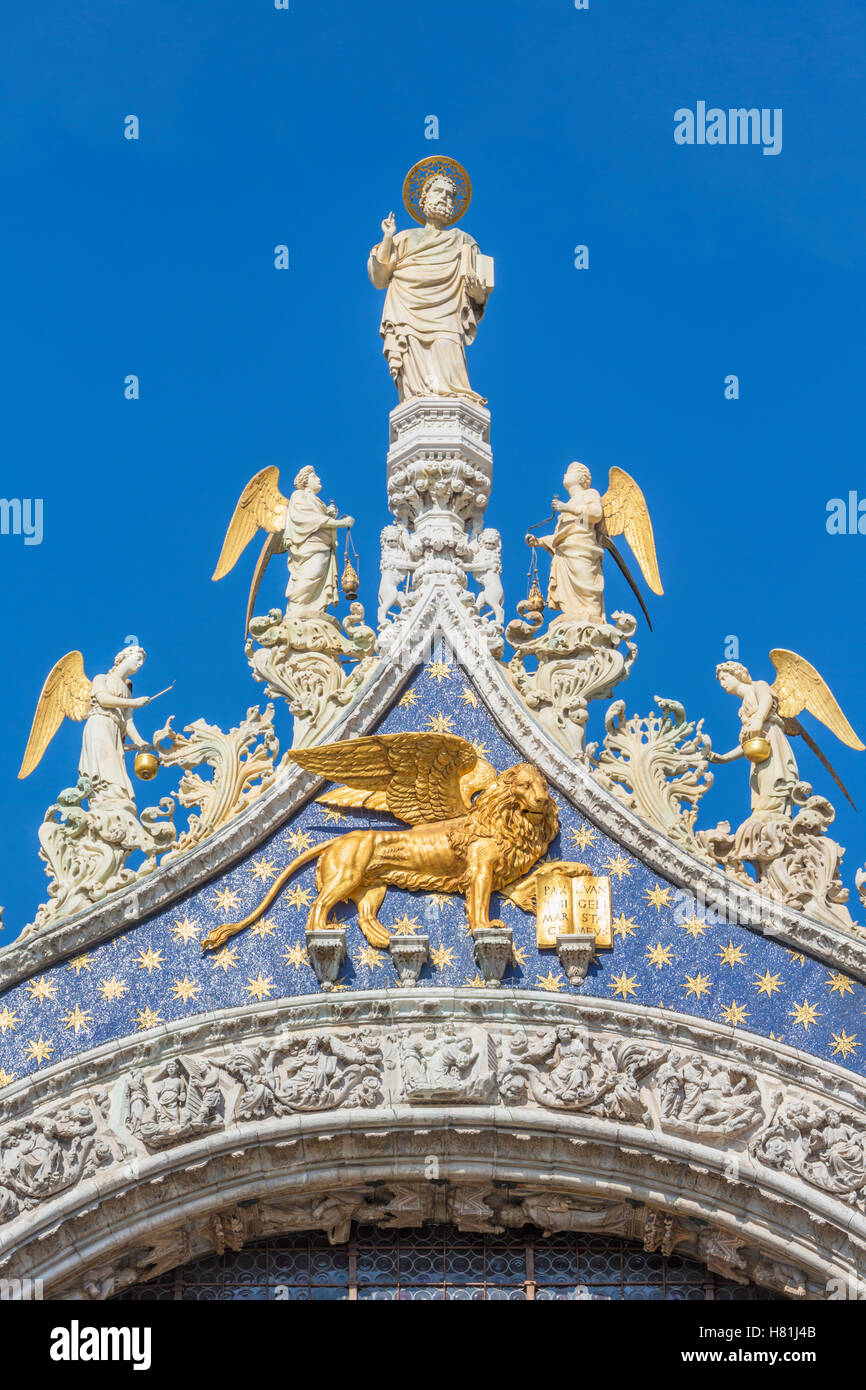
(260, 127)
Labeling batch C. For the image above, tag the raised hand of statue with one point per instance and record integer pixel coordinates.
(389, 226)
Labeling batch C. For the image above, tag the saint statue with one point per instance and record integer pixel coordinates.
(300, 526)
(437, 284)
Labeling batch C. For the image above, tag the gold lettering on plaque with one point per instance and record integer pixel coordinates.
(553, 910)
(590, 908)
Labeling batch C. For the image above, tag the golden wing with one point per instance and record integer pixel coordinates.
(65, 694)
(799, 686)
(626, 513)
(418, 774)
(261, 507)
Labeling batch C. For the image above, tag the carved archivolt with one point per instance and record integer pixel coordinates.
(520, 1109)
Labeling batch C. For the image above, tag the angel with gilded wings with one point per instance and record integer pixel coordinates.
(768, 714)
(105, 704)
(300, 526)
(585, 527)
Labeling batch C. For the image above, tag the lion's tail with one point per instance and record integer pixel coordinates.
(220, 935)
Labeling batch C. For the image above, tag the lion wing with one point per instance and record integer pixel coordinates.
(626, 513)
(65, 694)
(260, 507)
(417, 774)
(799, 686)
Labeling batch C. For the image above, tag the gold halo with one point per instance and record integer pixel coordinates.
(425, 169)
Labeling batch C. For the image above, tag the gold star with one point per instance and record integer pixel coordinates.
(480, 748)
(618, 864)
(797, 956)
(298, 897)
(185, 930)
(78, 1018)
(370, 957)
(660, 955)
(518, 955)
(550, 982)
(260, 987)
(768, 984)
(582, 837)
(695, 927)
(469, 697)
(407, 926)
(147, 1018)
(845, 1043)
(839, 984)
(697, 985)
(262, 869)
(185, 989)
(624, 926)
(149, 960)
(440, 724)
(731, 955)
(6, 1077)
(264, 927)
(442, 956)
(409, 699)
(439, 899)
(296, 956)
(475, 982)
(42, 989)
(299, 840)
(112, 989)
(439, 671)
(805, 1013)
(39, 1050)
(332, 815)
(79, 963)
(226, 959)
(225, 899)
(658, 897)
(623, 984)
(8, 1019)
(775, 1037)
(734, 1013)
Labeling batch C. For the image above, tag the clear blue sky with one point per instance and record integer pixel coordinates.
(261, 127)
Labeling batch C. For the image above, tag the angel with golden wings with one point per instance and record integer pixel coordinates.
(585, 527)
(105, 704)
(768, 714)
(300, 526)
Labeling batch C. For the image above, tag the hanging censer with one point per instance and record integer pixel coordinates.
(350, 580)
(533, 604)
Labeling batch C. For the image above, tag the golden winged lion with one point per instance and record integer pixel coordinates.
(473, 830)
(586, 525)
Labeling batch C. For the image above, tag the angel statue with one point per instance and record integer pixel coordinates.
(301, 526)
(585, 527)
(105, 704)
(437, 284)
(793, 862)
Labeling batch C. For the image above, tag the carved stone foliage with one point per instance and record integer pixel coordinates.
(243, 763)
(563, 1069)
(795, 860)
(313, 662)
(823, 1145)
(42, 1156)
(657, 765)
(574, 662)
(85, 848)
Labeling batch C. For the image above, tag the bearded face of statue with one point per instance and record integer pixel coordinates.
(437, 199)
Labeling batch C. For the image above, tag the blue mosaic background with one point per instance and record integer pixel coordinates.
(663, 956)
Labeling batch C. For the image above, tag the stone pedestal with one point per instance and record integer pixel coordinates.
(327, 951)
(409, 954)
(440, 469)
(493, 953)
(575, 951)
